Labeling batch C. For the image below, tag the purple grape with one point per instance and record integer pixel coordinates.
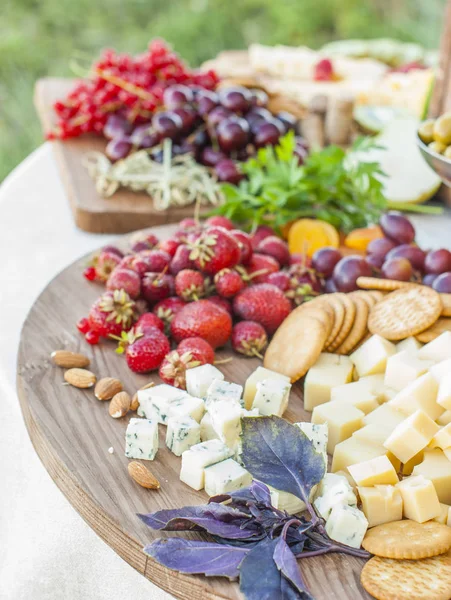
(226, 170)
(324, 261)
(397, 268)
(442, 283)
(177, 95)
(206, 102)
(415, 255)
(397, 227)
(167, 125)
(266, 134)
(380, 247)
(201, 138)
(258, 97)
(188, 116)
(301, 143)
(210, 157)
(288, 120)
(429, 279)
(217, 115)
(348, 270)
(233, 134)
(330, 287)
(118, 148)
(238, 100)
(438, 261)
(375, 261)
(117, 127)
(143, 137)
(301, 154)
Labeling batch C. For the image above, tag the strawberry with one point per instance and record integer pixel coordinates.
(260, 234)
(202, 319)
(141, 306)
(280, 279)
(113, 250)
(157, 286)
(181, 260)
(167, 308)
(187, 224)
(199, 348)
(104, 265)
(260, 266)
(245, 243)
(189, 284)
(222, 303)
(263, 303)
(169, 246)
(112, 313)
(219, 221)
(145, 240)
(173, 368)
(125, 279)
(249, 338)
(228, 283)
(147, 321)
(275, 247)
(300, 259)
(214, 250)
(304, 286)
(151, 261)
(143, 352)
(127, 262)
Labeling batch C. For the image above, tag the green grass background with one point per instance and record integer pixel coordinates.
(39, 37)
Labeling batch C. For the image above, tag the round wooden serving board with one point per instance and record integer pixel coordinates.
(72, 432)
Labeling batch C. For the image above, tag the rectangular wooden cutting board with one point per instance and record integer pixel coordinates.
(125, 211)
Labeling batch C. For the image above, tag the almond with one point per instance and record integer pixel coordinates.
(69, 360)
(80, 378)
(119, 405)
(141, 474)
(107, 387)
(135, 402)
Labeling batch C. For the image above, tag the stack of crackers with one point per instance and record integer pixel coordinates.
(340, 323)
(412, 561)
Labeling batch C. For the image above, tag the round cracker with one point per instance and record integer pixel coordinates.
(296, 345)
(336, 304)
(405, 312)
(387, 285)
(427, 579)
(408, 539)
(358, 329)
(348, 321)
(377, 295)
(440, 326)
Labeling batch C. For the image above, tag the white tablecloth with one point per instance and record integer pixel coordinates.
(47, 552)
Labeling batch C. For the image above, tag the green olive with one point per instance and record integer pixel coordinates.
(437, 147)
(442, 129)
(426, 131)
(447, 153)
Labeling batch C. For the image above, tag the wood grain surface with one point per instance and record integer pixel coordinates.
(72, 432)
(124, 211)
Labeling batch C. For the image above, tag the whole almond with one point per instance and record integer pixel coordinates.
(107, 387)
(119, 405)
(135, 402)
(141, 474)
(69, 360)
(80, 378)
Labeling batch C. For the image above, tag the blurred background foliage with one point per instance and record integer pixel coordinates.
(39, 37)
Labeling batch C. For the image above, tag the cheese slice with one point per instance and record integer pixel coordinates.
(342, 420)
(371, 358)
(381, 504)
(376, 471)
(420, 500)
(411, 436)
(421, 394)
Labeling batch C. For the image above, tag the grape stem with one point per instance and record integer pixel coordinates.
(417, 208)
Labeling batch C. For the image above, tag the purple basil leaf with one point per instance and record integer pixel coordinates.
(288, 565)
(281, 455)
(216, 519)
(244, 543)
(260, 492)
(287, 591)
(196, 557)
(260, 579)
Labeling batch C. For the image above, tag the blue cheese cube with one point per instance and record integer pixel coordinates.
(207, 431)
(226, 476)
(199, 379)
(271, 397)
(198, 457)
(318, 434)
(333, 490)
(223, 390)
(226, 421)
(182, 433)
(187, 406)
(154, 402)
(347, 525)
(141, 439)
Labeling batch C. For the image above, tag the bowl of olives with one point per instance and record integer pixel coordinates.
(434, 141)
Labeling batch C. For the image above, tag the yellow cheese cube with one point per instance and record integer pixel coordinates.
(444, 418)
(448, 522)
(328, 359)
(437, 468)
(444, 392)
(443, 516)
(447, 453)
(381, 504)
(410, 344)
(342, 420)
(403, 368)
(442, 439)
(371, 357)
(378, 388)
(437, 350)
(421, 394)
(349, 478)
(353, 451)
(441, 369)
(376, 471)
(420, 501)
(407, 467)
(363, 400)
(250, 387)
(411, 436)
(376, 435)
(385, 415)
(320, 380)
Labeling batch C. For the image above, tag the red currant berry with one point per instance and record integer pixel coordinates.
(92, 338)
(83, 325)
(89, 273)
